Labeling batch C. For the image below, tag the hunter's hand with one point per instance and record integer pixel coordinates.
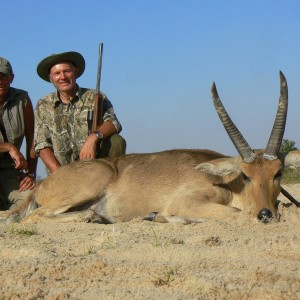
(88, 149)
(27, 183)
(19, 159)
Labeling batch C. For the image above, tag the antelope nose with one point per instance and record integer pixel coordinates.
(265, 215)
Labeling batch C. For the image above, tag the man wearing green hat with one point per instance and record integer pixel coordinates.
(17, 174)
(61, 118)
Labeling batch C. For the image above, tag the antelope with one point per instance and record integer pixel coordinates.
(170, 186)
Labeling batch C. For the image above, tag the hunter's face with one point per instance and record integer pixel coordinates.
(5, 81)
(63, 76)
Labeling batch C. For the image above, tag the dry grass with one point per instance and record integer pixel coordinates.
(24, 230)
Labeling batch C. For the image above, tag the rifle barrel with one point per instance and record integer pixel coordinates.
(98, 99)
(99, 68)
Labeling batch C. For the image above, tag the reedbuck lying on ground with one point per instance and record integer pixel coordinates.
(177, 185)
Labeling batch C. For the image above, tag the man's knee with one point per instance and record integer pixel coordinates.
(114, 146)
(16, 198)
(118, 146)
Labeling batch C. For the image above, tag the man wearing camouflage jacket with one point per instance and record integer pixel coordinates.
(61, 118)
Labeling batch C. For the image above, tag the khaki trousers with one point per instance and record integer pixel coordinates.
(112, 147)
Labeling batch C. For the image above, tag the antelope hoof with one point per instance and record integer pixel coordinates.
(150, 217)
(93, 217)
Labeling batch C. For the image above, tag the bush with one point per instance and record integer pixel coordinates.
(287, 146)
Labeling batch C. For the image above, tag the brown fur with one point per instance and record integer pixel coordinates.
(193, 185)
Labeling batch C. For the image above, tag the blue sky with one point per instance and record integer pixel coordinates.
(160, 59)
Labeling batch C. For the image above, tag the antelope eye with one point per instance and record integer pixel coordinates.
(245, 177)
(278, 174)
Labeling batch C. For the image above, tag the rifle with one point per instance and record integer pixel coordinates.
(98, 98)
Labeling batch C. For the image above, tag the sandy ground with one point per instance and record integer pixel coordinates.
(227, 259)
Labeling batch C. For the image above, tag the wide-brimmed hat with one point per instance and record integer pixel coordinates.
(45, 65)
(5, 67)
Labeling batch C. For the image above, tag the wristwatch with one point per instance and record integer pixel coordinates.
(99, 134)
(33, 175)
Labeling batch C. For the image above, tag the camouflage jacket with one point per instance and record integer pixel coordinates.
(64, 127)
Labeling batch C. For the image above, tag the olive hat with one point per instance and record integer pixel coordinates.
(45, 65)
(5, 67)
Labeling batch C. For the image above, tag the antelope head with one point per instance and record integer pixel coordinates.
(256, 175)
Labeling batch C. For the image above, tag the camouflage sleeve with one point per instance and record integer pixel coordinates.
(42, 137)
(109, 115)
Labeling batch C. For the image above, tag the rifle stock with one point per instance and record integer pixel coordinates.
(98, 98)
(98, 111)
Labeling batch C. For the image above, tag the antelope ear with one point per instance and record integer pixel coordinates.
(224, 170)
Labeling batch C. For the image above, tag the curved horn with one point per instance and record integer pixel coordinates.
(236, 137)
(277, 133)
